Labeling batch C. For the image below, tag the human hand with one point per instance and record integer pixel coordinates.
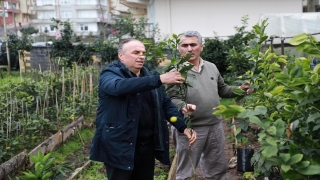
(191, 134)
(171, 78)
(189, 108)
(245, 87)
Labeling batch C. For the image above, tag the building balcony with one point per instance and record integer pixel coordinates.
(41, 21)
(42, 8)
(98, 7)
(13, 10)
(82, 20)
(135, 3)
(12, 1)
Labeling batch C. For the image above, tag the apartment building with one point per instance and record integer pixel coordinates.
(17, 11)
(11, 8)
(87, 17)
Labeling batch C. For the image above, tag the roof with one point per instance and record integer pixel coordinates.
(289, 25)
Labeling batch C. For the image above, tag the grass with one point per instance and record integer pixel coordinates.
(93, 172)
(5, 79)
(73, 145)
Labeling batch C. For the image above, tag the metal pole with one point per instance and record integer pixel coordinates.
(6, 38)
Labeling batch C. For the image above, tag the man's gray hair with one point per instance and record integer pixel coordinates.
(193, 34)
(120, 47)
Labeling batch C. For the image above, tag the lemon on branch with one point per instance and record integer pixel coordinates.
(173, 119)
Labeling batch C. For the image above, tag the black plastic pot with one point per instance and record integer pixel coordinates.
(244, 156)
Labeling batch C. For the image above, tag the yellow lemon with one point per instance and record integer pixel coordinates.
(173, 119)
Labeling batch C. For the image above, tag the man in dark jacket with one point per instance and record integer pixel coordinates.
(131, 126)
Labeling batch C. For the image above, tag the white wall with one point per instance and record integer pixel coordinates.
(209, 16)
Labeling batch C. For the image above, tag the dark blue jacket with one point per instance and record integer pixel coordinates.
(119, 112)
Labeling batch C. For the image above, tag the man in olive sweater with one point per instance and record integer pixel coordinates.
(209, 87)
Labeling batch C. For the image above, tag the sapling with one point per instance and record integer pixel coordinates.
(181, 63)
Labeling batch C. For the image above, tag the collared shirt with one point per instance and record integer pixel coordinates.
(200, 66)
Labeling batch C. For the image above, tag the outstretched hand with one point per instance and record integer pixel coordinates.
(191, 134)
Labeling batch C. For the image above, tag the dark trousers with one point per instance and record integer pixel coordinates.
(143, 165)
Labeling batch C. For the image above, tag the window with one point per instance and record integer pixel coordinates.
(84, 27)
(49, 15)
(66, 14)
(87, 14)
(85, 2)
(47, 2)
(65, 2)
(51, 28)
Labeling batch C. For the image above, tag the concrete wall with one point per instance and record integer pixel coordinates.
(209, 16)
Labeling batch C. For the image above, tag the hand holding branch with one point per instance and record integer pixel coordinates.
(245, 87)
(191, 134)
(171, 78)
(188, 108)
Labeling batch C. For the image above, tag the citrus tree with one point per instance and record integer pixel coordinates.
(285, 106)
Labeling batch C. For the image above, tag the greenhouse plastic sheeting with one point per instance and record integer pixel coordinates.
(289, 25)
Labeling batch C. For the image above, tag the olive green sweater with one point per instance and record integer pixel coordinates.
(208, 87)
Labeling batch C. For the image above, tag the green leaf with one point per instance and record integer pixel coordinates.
(315, 128)
(316, 68)
(277, 90)
(313, 117)
(315, 78)
(271, 141)
(291, 175)
(237, 108)
(303, 164)
(174, 36)
(280, 126)
(295, 159)
(298, 81)
(272, 130)
(49, 163)
(281, 76)
(256, 120)
(238, 131)
(174, 61)
(269, 95)
(47, 175)
(238, 91)
(274, 161)
(221, 107)
(244, 125)
(34, 159)
(294, 149)
(269, 151)
(29, 176)
(285, 168)
(260, 110)
(296, 40)
(311, 100)
(310, 170)
(282, 60)
(46, 157)
(285, 157)
(296, 72)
